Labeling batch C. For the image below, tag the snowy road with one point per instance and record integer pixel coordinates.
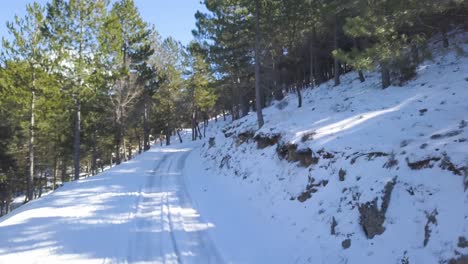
(138, 212)
(165, 208)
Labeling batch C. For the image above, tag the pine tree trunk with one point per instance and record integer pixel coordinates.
(385, 76)
(138, 138)
(358, 47)
(299, 97)
(234, 110)
(445, 39)
(7, 205)
(178, 134)
(76, 154)
(199, 132)
(129, 147)
(317, 67)
(54, 184)
(168, 136)
(30, 186)
(117, 154)
(122, 136)
(245, 106)
(118, 158)
(124, 149)
(64, 171)
(278, 91)
(242, 109)
(94, 154)
(121, 150)
(146, 144)
(194, 123)
(312, 69)
(39, 185)
(361, 76)
(258, 93)
(336, 61)
(76, 157)
(140, 146)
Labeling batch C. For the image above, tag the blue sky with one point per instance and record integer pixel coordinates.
(172, 17)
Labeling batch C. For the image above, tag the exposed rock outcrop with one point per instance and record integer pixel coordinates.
(266, 140)
(291, 153)
(371, 216)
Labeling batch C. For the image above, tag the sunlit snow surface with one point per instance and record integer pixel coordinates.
(235, 203)
(138, 212)
(351, 119)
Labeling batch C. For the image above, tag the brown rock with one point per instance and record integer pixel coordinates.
(346, 243)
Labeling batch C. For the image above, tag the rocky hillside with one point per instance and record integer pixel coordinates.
(358, 174)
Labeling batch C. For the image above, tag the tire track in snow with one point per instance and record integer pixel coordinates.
(171, 230)
(167, 228)
(199, 241)
(167, 213)
(140, 239)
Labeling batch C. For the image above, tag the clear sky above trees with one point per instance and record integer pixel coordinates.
(172, 18)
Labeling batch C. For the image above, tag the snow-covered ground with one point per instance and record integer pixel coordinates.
(137, 212)
(304, 196)
(413, 138)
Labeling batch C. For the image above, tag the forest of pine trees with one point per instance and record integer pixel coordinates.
(86, 84)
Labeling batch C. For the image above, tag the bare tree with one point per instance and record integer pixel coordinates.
(123, 94)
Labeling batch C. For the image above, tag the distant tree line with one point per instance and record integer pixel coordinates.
(87, 84)
(304, 43)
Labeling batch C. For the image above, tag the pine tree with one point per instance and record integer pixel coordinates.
(14, 107)
(72, 29)
(258, 92)
(201, 95)
(169, 63)
(28, 45)
(127, 35)
(392, 30)
(231, 46)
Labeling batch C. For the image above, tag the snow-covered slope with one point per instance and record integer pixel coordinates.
(357, 175)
